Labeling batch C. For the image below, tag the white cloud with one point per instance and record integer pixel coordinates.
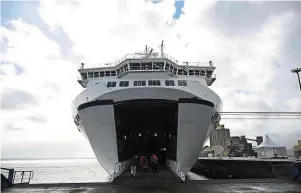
(112, 29)
(105, 32)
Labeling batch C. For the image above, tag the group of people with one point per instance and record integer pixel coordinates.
(144, 162)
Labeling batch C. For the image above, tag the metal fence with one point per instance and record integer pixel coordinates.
(17, 177)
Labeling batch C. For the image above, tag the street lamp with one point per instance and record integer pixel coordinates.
(297, 70)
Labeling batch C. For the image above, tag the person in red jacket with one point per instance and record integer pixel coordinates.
(143, 165)
(154, 164)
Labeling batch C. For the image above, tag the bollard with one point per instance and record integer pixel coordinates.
(11, 175)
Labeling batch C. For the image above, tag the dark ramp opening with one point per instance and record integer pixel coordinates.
(144, 127)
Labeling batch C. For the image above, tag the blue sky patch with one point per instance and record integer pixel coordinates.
(179, 5)
(14, 10)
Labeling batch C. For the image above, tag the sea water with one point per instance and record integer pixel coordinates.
(59, 170)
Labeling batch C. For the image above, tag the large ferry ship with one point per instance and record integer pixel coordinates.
(147, 103)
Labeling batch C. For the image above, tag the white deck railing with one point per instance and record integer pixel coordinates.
(143, 56)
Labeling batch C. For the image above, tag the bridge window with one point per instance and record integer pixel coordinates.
(123, 83)
(148, 66)
(154, 83)
(96, 74)
(140, 83)
(126, 68)
(169, 83)
(118, 72)
(135, 66)
(107, 73)
(202, 72)
(84, 76)
(180, 72)
(167, 67)
(111, 84)
(113, 73)
(101, 74)
(158, 66)
(185, 72)
(197, 72)
(144, 66)
(90, 74)
(182, 82)
(209, 73)
(191, 72)
(175, 71)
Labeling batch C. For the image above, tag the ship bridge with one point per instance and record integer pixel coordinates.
(148, 63)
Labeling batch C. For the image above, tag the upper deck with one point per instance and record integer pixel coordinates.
(146, 63)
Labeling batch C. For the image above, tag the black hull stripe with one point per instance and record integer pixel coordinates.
(196, 101)
(95, 103)
(111, 102)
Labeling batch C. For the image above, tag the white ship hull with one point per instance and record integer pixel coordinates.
(100, 110)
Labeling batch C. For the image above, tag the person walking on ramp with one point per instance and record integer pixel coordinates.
(143, 165)
(133, 166)
(154, 163)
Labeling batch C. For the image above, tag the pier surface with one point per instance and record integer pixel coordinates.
(238, 168)
(249, 159)
(166, 182)
(205, 186)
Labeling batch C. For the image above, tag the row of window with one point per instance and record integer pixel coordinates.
(97, 74)
(150, 83)
(147, 66)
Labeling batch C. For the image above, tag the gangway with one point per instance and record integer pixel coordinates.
(168, 173)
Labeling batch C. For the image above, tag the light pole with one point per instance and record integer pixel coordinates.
(297, 70)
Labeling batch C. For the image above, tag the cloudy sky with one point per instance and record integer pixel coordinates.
(254, 46)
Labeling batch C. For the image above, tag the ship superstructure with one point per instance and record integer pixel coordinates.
(147, 103)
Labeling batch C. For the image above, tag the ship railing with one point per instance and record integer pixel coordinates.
(17, 177)
(158, 56)
(175, 167)
(119, 168)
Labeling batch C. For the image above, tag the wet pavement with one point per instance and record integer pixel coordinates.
(166, 182)
(214, 186)
(164, 176)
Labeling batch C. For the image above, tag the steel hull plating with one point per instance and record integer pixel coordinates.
(98, 123)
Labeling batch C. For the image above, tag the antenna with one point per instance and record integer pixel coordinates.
(162, 48)
(150, 53)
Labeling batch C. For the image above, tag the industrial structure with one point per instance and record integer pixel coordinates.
(235, 146)
(221, 137)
